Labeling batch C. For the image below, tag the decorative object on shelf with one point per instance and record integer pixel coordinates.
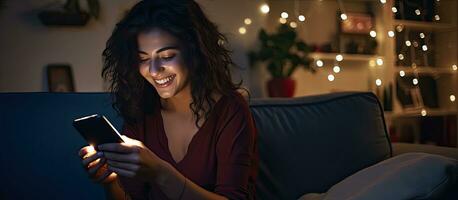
(416, 10)
(354, 34)
(284, 53)
(71, 14)
(417, 96)
(60, 78)
(357, 23)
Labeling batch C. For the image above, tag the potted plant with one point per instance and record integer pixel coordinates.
(283, 53)
(71, 14)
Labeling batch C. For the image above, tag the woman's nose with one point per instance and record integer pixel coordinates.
(155, 68)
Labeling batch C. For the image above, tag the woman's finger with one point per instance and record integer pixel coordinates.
(103, 176)
(93, 169)
(121, 172)
(117, 147)
(123, 165)
(86, 151)
(129, 158)
(91, 158)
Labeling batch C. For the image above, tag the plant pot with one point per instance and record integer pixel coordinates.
(60, 18)
(281, 87)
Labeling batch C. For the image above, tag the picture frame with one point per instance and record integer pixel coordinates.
(60, 78)
(357, 23)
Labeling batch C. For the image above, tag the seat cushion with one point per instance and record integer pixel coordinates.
(407, 176)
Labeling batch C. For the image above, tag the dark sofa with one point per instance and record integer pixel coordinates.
(307, 145)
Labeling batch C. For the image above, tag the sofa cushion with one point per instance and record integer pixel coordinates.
(308, 144)
(407, 176)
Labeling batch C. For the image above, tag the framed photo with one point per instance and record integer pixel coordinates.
(60, 78)
(357, 23)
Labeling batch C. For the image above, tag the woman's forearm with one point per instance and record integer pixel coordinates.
(175, 186)
(113, 191)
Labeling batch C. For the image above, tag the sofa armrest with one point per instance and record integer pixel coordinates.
(401, 148)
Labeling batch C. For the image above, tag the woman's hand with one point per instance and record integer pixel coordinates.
(95, 165)
(132, 159)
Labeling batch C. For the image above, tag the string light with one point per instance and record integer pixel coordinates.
(372, 63)
(422, 35)
(247, 21)
(293, 24)
(454, 67)
(399, 28)
(415, 81)
(424, 47)
(402, 73)
(336, 69)
(415, 44)
(390, 33)
(264, 8)
(408, 43)
(383, 1)
(242, 30)
(339, 57)
(373, 34)
(379, 61)
(417, 12)
(378, 82)
(394, 9)
(452, 98)
(343, 16)
(301, 18)
(401, 56)
(284, 15)
(331, 77)
(319, 63)
(282, 20)
(437, 18)
(423, 112)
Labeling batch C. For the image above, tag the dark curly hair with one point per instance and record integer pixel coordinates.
(206, 57)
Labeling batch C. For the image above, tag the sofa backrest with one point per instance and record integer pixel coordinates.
(308, 144)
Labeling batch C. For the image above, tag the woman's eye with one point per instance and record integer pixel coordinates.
(144, 60)
(167, 58)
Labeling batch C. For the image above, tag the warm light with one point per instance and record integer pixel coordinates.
(90, 150)
(343, 16)
(373, 34)
(331, 77)
(422, 35)
(423, 112)
(372, 63)
(378, 82)
(247, 21)
(390, 33)
(301, 18)
(319, 63)
(408, 43)
(293, 24)
(282, 20)
(394, 9)
(383, 1)
(437, 18)
(424, 47)
(284, 15)
(264, 8)
(399, 28)
(402, 73)
(336, 69)
(339, 57)
(454, 67)
(379, 61)
(415, 81)
(242, 30)
(417, 12)
(452, 98)
(401, 57)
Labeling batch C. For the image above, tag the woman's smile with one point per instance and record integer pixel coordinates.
(164, 82)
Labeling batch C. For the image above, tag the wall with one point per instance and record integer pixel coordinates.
(27, 46)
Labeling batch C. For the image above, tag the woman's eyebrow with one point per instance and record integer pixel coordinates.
(160, 50)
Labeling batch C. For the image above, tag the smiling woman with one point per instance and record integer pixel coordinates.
(190, 133)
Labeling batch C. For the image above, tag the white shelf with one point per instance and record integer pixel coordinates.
(425, 25)
(346, 57)
(426, 70)
(417, 113)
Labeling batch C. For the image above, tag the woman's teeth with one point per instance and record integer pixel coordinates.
(164, 80)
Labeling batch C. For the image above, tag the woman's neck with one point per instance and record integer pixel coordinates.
(178, 103)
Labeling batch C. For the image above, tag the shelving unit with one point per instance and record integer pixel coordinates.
(346, 57)
(443, 48)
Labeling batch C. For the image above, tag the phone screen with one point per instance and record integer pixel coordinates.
(96, 129)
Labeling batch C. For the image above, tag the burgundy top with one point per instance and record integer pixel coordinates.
(221, 157)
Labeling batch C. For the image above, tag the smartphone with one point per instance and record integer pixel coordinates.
(96, 129)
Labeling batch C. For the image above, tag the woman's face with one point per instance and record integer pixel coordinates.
(162, 63)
